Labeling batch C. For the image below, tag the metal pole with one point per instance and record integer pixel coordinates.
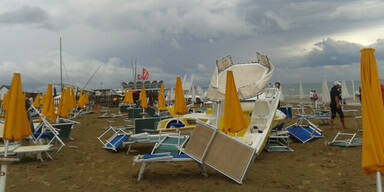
(61, 69)
(378, 182)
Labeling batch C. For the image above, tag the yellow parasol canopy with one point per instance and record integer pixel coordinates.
(65, 104)
(16, 126)
(125, 97)
(161, 100)
(73, 99)
(86, 99)
(48, 106)
(36, 102)
(372, 113)
(81, 101)
(4, 103)
(143, 98)
(128, 97)
(180, 108)
(233, 118)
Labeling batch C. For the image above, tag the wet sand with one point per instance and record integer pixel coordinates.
(84, 166)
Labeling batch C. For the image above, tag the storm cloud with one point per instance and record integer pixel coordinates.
(305, 40)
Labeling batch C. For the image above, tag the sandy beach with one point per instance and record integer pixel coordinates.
(83, 165)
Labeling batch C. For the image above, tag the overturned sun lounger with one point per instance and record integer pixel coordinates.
(167, 150)
(304, 132)
(116, 140)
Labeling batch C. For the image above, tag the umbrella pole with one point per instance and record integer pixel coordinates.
(378, 182)
(3, 173)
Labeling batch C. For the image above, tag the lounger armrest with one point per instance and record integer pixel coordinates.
(149, 130)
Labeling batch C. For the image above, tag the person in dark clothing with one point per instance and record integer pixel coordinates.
(336, 103)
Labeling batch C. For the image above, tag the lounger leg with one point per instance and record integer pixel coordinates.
(48, 155)
(142, 168)
(203, 170)
(39, 156)
(129, 149)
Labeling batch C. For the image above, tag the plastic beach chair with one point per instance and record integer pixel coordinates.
(119, 136)
(342, 139)
(304, 130)
(45, 131)
(167, 150)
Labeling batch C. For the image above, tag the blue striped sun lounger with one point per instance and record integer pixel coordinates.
(303, 133)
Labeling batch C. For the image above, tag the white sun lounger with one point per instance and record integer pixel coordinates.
(18, 150)
(167, 150)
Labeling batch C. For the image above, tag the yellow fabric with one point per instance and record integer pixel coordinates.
(48, 106)
(180, 107)
(247, 117)
(36, 102)
(81, 102)
(161, 100)
(48, 109)
(209, 111)
(128, 97)
(143, 98)
(125, 100)
(171, 111)
(4, 103)
(372, 113)
(16, 126)
(86, 99)
(65, 104)
(233, 118)
(73, 99)
(60, 105)
(43, 100)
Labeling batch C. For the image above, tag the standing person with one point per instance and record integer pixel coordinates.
(336, 103)
(277, 85)
(314, 98)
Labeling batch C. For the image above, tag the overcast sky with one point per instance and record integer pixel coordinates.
(305, 40)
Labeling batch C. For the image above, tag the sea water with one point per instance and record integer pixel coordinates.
(292, 89)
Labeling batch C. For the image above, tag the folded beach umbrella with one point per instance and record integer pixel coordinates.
(372, 116)
(128, 97)
(16, 125)
(65, 104)
(180, 108)
(161, 100)
(4, 103)
(143, 98)
(125, 97)
(233, 118)
(81, 101)
(60, 105)
(86, 99)
(36, 101)
(48, 106)
(73, 99)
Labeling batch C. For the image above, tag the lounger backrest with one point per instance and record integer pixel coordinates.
(171, 144)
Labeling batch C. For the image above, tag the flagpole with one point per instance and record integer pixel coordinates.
(378, 182)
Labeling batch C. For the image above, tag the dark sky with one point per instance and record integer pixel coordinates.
(306, 40)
